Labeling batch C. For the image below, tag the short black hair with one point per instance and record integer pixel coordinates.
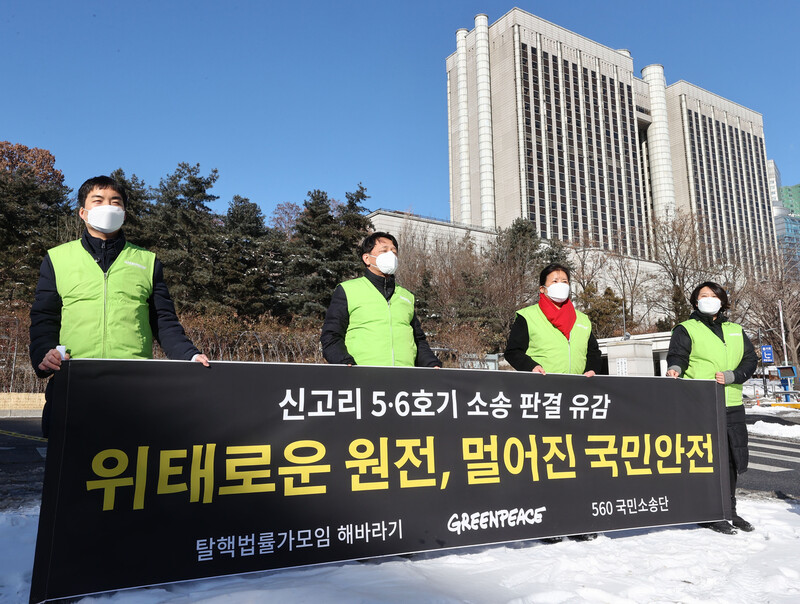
(101, 182)
(718, 290)
(368, 243)
(552, 268)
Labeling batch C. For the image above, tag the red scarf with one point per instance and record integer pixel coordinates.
(562, 318)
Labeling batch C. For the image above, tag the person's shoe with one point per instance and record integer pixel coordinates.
(742, 524)
(720, 527)
(551, 539)
(584, 537)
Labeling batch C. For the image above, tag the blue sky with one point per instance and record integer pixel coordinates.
(284, 97)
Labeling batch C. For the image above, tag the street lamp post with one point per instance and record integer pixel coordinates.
(783, 333)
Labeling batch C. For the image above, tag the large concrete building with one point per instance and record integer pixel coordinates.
(550, 126)
(774, 181)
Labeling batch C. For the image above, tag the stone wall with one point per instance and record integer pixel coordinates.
(19, 404)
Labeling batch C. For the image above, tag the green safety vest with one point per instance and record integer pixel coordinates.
(550, 348)
(104, 315)
(379, 332)
(710, 355)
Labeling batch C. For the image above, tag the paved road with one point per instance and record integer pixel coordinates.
(22, 454)
(774, 463)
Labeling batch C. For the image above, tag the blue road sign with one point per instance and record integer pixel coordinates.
(766, 354)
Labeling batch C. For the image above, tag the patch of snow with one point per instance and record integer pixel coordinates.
(677, 564)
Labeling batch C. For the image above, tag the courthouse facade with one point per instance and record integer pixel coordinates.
(550, 126)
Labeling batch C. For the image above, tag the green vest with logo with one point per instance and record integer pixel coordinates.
(379, 332)
(710, 355)
(104, 315)
(550, 348)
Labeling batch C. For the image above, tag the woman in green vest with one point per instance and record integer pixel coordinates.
(551, 336)
(709, 347)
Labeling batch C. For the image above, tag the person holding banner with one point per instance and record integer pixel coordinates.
(708, 346)
(101, 297)
(371, 320)
(551, 335)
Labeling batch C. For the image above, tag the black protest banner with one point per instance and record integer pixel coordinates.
(162, 471)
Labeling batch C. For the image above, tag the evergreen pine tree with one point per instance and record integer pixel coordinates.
(248, 262)
(34, 210)
(604, 311)
(353, 227)
(244, 219)
(187, 236)
(139, 209)
(314, 263)
(681, 309)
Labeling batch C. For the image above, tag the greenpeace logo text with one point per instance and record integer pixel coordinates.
(464, 522)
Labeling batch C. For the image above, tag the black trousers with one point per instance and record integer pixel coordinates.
(738, 454)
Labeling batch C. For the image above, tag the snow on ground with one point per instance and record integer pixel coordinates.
(676, 564)
(762, 428)
(684, 564)
(775, 428)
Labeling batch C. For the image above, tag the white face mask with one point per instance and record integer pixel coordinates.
(106, 219)
(386, 262)
(709, 306)
(558, 292)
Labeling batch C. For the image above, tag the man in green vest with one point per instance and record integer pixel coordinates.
(101, 297)
(371, 320)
